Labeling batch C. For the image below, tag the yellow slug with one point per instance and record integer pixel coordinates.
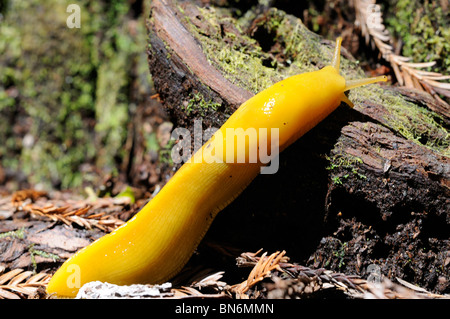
(157, 242)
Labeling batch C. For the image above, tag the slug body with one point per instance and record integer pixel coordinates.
(157, 242)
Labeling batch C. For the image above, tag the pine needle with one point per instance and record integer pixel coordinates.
(83, 213)
(19, 284)
(261, 270)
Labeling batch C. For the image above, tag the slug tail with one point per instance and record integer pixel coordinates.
(351, 84)
(337, 55)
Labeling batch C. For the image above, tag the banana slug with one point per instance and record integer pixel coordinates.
(158, 241)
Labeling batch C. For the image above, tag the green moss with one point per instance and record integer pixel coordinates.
(165, 153)
(19, 233)
(415, 123)
(423, 28)
(346, 161)
(198, 103)
(151, 142)
(340, 253)
(242, 60)
(239, 57)
(68, 87)
(36, 252)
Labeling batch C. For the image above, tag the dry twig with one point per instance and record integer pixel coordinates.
(386, 289)
(210, 281)
(295, 281)
(262, 269)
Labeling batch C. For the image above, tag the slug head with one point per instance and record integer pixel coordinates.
(313, 96)
(351, 84)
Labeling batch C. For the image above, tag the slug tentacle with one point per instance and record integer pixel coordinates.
(337, 55)
(346, 100)
(351, 84)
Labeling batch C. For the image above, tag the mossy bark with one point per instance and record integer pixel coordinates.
(383, 165)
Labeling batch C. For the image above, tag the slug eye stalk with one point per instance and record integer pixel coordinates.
(351, 84)
(337, 54)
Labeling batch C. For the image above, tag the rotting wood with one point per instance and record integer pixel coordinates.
(170, 30)
(187, 72)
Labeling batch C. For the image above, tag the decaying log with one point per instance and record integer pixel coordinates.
(187, 70)
(369, 185)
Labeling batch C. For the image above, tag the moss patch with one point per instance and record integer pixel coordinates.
(238, 56)
(66, 91)
(19, 233)
(344, 161)
(197, 103)
(280, 47)
(424, 29)
(415, 123)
